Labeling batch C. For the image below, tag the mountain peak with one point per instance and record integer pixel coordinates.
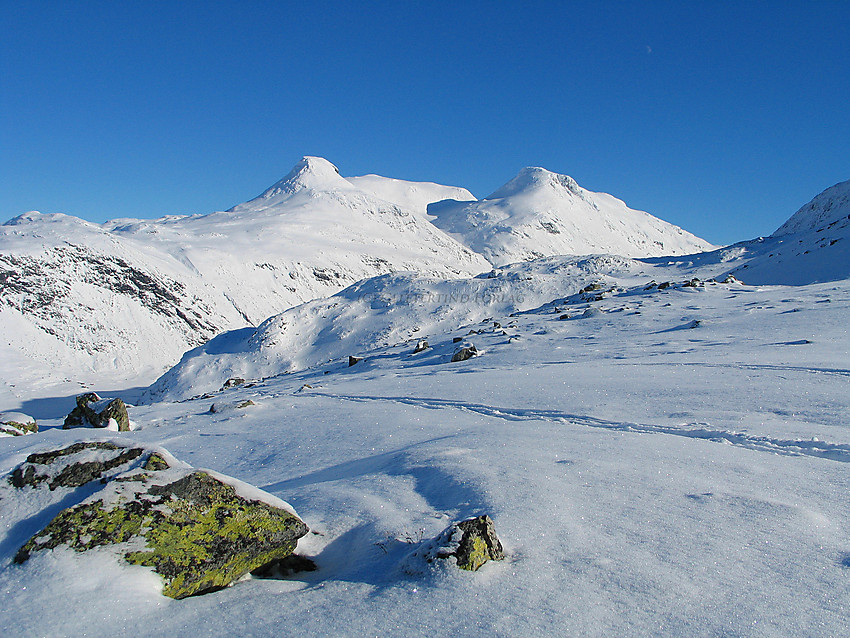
(314, 173)
(828, 207)
(533, 178)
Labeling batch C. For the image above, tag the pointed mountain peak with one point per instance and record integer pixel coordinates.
(314, 173)
(532, 178)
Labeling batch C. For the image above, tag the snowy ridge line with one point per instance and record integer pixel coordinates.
(789, 447)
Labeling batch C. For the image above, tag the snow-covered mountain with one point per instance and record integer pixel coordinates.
(539, 213)
(812, 246)
(128, 297)
(394, 309)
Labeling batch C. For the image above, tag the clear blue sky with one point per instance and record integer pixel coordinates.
(720, 117)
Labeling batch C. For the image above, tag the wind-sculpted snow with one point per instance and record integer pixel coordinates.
(540, 213)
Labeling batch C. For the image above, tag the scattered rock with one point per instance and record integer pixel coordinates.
(457, 339)
(17, 424)
(693, 283)
(464, 353)
(420, 346)
(232, 383)
(218, 407)
(591, 312)
(564, 317)
(353, 360)
(92, 411)
(196, 530)
(471, 543)
(592, 287)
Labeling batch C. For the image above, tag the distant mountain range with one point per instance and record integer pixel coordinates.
(125, 299)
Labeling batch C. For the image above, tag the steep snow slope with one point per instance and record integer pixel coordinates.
(832, 205)
(540, 213)
(125, 299)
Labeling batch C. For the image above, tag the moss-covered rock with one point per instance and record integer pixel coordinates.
(17, 424)
(95, 412)
(193, 528)
(471, 543)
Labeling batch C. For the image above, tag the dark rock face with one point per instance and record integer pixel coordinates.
(352, 360)
(464, 353)
(420, 346)
(198, 532)
(95, 412)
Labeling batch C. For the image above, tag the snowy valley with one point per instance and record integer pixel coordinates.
(659, 428)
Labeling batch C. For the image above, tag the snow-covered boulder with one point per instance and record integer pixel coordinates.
(95, 412)
(471, 543)
(199, 530)
(17, 424)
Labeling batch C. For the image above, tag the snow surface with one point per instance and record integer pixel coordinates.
(674, 465)
(663, 449)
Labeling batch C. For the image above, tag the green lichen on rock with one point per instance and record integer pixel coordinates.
(471, 543)
(210, 536)
(195, 530)
(93, 411)
(478, 544)
(17, 424)
(104, 457)
(86, 526)
(155, 463)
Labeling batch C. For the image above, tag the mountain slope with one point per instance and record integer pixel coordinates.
(126, 298)
(812, 246)
(540, 213)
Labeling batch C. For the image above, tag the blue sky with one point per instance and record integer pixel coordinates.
(723, 118)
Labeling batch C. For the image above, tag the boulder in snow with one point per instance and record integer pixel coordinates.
(199, 531)
(464, 353)
(95, 412)
(17, 424)
(471, 543)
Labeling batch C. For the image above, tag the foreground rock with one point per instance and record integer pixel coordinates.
(92, 411)
(471, 543)
(17, 424)
(199, 531)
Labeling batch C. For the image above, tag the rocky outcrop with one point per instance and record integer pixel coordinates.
(194, 528)
(17, 424)
(92, 411)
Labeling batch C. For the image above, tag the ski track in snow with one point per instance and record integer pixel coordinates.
(789, 447)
